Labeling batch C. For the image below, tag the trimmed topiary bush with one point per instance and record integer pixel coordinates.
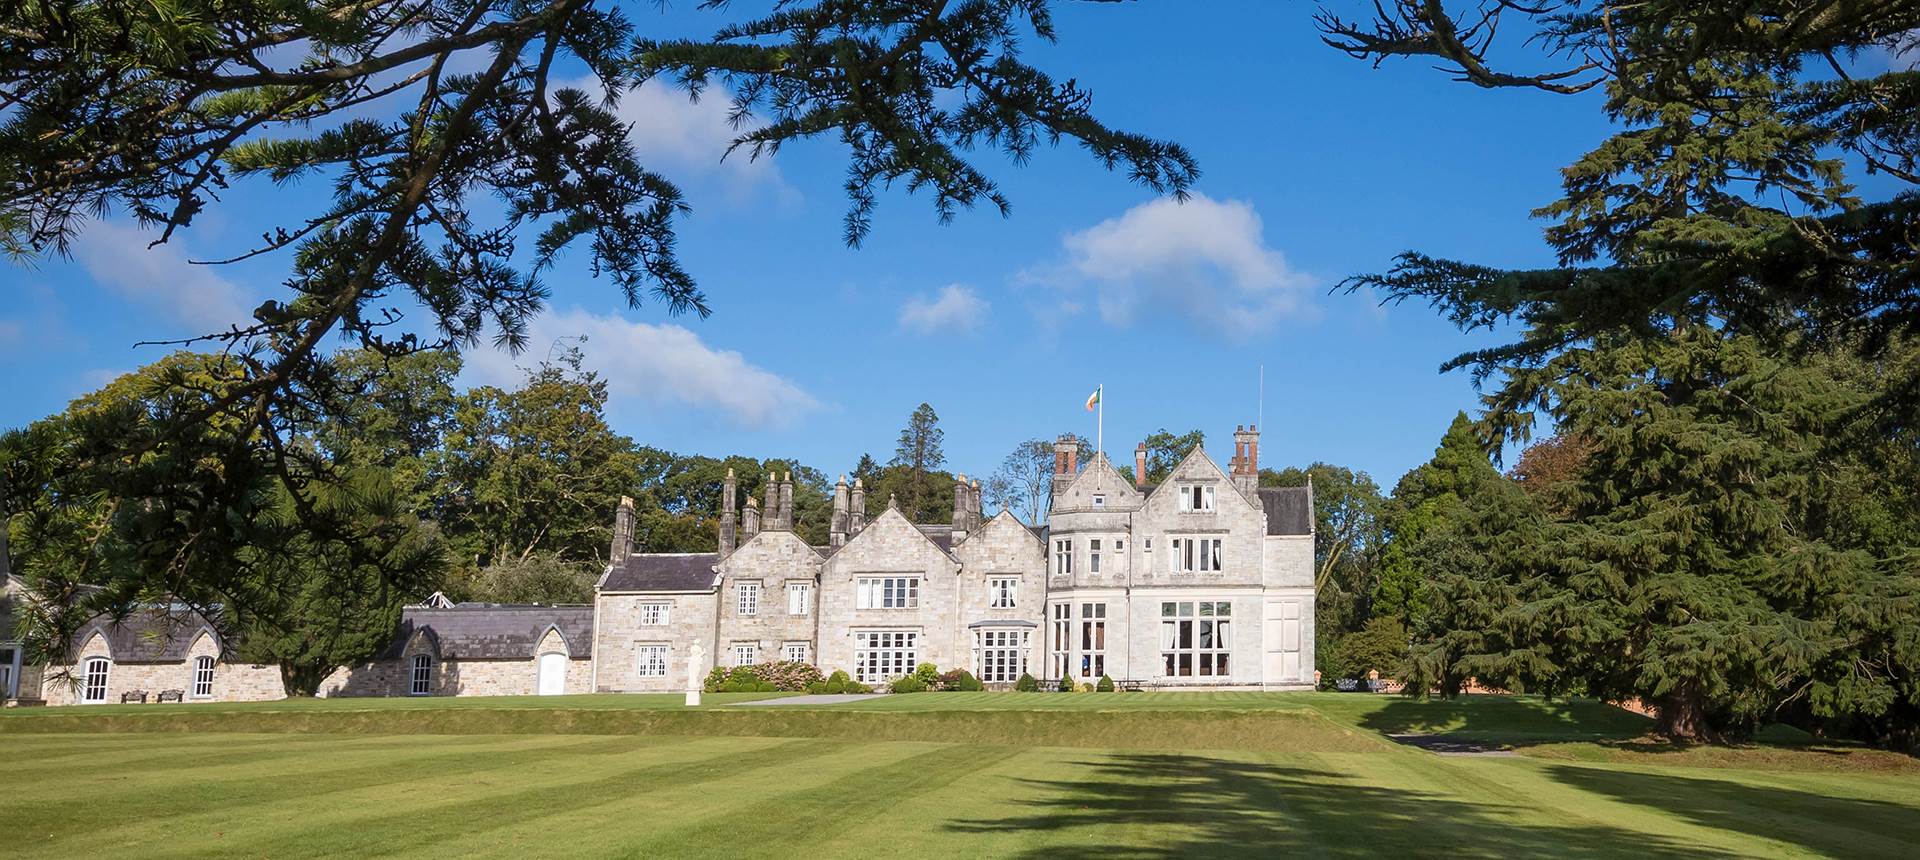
(968, 683)
(1105, 685)
(1067, 685)
(1027, 684)
(909, 684)
(856, 687)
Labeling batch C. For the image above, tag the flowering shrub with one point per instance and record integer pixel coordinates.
(960, 680)
(785, 675)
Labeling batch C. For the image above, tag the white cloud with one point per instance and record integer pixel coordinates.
(661, 365)
(117, 256)
(1204, 260)
(678, 136)
(955, 307)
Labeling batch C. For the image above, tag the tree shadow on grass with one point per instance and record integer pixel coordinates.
(1837, 826)
(1222, 808)
(1508, 720)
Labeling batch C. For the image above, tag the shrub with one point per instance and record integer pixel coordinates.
(928, 674)
(856, 687)
(968, 683)
(834, 687)
(1026, 684)
(840, 675)
(1067, 685)
(817, 688)
(909, 684)
(715, 679)
(1105, 685)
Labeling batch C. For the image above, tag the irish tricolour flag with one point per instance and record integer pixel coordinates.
(1093, 399)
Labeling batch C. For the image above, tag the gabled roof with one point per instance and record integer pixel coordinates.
(1100, 467)
(497, 632)
(662, 571)
(1289, 509)
(152, 635)
(943, 543)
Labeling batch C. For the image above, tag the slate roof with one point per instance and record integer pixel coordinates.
(662, 571)
(495, 631)
(153, 635)
(940, 533)
(1289, 510)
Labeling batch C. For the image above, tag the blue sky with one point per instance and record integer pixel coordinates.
(1315, 167)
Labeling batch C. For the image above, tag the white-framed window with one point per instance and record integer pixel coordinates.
(798, 597)
(421, 682)
(95, 686)
(650, 661)
(1197, 554)
(1196, 498)
(882, 655)
(1195, 637)
(795, 652)
(887, 592)
(656, 614)
(1119, 544)
(746, 598)
(1003, 592)
(1093, 555)
(1099, 501)
(1000, 655)
(1062, 639)
(1063, 556)
(746, 653)
(203, 677)
(1093, 640)
(1148, 546)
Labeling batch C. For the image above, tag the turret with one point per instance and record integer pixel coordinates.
(728, 501)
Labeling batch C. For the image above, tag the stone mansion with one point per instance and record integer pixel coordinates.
(1204, 581)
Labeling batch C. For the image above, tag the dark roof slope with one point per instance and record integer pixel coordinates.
(495, 632)
(147, 635)
(1289, 510)
(676, 571)
(940, 533)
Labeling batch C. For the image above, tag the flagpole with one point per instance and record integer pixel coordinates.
(1100, 423)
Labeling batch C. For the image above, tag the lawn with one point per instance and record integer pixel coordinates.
(986, 775)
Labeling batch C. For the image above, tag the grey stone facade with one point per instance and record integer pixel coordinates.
(1204, 581)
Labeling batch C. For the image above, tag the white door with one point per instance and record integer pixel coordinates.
(553, 674)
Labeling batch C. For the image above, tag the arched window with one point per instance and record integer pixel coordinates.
(203, 677)
(95, 689)
(422, 675)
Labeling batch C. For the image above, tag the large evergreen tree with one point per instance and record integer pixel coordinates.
(917, 456)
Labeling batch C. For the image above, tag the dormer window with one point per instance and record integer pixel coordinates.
(1099, 501)
(1196, 498)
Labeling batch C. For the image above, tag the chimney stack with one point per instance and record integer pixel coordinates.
(770, 509)
(1246, 467)
(786, 502)
(750, 520)
(1066, 456)
(961, 522)
(728, 501)
(837, 528)
(622, 532)
(857, 508)
(977, 508)
(1140, 466)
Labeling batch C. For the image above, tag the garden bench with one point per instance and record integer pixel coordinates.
(133, 696)
(172, 696)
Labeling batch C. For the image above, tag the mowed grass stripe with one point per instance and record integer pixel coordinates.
(30, 756)
(346, 768)
(208, 760)
(180, 808)
(409, 822)
(614, 824)
(1284, 730)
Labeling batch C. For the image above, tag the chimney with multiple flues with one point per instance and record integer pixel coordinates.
(1245, 466)
(750, 520)
(1066, 462)
(857, 508)
(1140, 466)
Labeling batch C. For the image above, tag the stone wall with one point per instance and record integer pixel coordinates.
(618, 634)
(773, 559)
(394, 677)
(1002, 547)
(890, 545)
(232, 682)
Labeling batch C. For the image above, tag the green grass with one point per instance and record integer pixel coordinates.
(958, 775)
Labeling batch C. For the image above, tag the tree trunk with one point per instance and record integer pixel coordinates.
(1683, 715)
(302, 681)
